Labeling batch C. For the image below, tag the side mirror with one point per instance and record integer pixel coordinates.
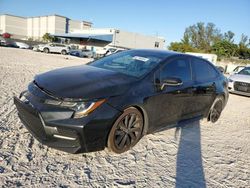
(171, 82)
(221, 69)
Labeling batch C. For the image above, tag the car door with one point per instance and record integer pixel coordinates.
(205, 86)
(168, 105)
(58, 48)
(52, 48)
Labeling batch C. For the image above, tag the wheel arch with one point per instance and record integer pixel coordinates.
(218, 95)
(144, 115)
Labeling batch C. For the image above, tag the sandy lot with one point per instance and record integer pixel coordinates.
(199, 154)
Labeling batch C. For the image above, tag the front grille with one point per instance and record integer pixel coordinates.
(242, 86)
(31, 119)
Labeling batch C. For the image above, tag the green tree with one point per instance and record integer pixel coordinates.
(229, 36)
(48, 38)
(201, 36)
(181, 47)
(224, 48)
(244, 41)
(244, 51)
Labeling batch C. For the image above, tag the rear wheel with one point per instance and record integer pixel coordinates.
(64, 52)
(216, 109)
(126, 131)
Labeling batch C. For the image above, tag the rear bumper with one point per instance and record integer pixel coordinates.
(69, 135)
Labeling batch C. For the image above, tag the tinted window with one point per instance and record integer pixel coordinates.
(203, 70)
(178, 68)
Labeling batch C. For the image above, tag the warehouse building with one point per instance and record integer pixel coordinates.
(79, 33)
(114, 38)
(35, 27)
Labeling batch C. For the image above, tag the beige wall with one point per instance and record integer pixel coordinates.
(60, 24)
(73, 25)
(16, 26)
(136, 40)
(126, 39)
(2, 24)
(38, 26)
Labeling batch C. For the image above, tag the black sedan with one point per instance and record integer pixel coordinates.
(114, 101)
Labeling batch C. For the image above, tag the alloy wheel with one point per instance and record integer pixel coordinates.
(216, 111)
(126, 131)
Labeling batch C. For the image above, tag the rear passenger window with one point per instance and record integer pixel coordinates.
(178, 68)
(203, 70)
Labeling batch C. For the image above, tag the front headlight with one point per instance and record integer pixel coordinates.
(85, 108)
(81, 109)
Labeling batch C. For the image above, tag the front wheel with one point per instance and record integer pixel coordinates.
(216, 109)
(126, 131)
(46, 50)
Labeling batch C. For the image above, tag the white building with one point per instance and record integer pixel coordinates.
(113, 38)
(77, 32)
(126, 39)
(36, 27)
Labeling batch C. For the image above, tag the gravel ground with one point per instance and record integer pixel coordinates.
(199, 154)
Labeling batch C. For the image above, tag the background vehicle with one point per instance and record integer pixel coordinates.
(237, 69)
(22, 45)
(7, 43)
(221, 69)
(239, 83)
(114, 101)
(82, 53)
(112, 51)
(54, 48)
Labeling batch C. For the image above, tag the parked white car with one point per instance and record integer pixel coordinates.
(54, 48)
(22, 45)
(112, 51)
(237, 69)
(239, 83)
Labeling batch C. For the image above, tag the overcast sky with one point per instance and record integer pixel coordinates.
(152, 17)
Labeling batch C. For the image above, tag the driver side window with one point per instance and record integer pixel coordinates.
(177, 68)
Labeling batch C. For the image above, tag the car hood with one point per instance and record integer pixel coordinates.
(84, 82)
(240, 78)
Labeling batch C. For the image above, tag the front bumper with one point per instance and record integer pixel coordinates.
(67, 134)
(235, 90)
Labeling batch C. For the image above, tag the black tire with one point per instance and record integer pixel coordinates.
(216, 109)
(63, 52)
(46, 50)
(126, 131)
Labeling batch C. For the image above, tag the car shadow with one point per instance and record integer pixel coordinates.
(189, 168)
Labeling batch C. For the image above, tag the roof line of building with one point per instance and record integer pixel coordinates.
(43, 16)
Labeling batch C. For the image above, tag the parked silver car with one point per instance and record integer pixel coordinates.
(54, 48)
(239, 83)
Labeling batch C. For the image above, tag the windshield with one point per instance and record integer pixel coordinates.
(245, 71)
(133, 63)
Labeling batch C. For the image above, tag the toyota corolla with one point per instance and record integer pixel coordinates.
(114, 101)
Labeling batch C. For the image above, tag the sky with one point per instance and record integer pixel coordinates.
(166, 18)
